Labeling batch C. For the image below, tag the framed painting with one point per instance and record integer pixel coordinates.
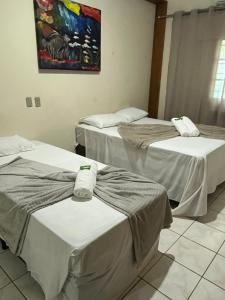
(68, 35)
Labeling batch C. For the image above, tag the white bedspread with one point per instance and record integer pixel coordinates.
(189, 168)
(58, 240)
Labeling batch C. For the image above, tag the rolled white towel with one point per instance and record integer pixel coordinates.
(85, 181)
(180, 126)
(192, 129)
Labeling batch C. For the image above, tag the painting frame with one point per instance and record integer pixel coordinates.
(68, 35)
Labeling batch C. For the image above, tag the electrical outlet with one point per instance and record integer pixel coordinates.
(37, 101)
(29, 102)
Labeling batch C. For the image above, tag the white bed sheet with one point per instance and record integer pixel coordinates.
(78, 253)
(83, 222)
(188, 181)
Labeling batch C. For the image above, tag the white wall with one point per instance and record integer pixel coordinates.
(127, 34)
(173, 6)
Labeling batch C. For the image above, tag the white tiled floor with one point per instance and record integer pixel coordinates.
(190, 263)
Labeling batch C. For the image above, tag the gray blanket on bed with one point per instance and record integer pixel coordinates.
(27, 186)
(143, 135)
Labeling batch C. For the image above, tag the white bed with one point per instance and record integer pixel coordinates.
(91, 255)
(189, 168)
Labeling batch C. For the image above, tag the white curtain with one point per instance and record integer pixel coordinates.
(195, 51)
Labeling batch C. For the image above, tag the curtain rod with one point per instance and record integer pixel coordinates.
(187, 13)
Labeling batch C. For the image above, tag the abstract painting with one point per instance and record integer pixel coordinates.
(68, 35)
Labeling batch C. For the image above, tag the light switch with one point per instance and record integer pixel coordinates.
(29, 102)
(37, 101)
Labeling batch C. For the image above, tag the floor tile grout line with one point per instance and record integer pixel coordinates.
(185, 266)
(130, 289)
(156, 289)
(152, 266)
(206, 225)
(181, 234)
(211, 225)
(173, 244)
(216, 253)
(10, 280)
(196, 220)
(201, 244)
(7, 272)
(195, 288)
(221, 246)
(200, 276)
(16, 277)
(164, 254)
(188, 227)
(19, 291)
(220, 255)
(209, 265)
(214, 284)
(27, 272)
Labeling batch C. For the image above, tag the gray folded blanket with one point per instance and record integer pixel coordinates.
(143, 135)
(27, 186)
(211, 132)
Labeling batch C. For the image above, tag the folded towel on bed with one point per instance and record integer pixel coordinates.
(85, 181)
(192, 129)
(180, 126)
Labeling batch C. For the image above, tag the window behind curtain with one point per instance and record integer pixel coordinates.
(219, 80)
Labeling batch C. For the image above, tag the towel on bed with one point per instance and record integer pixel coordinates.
(85, 181)
(180, 126)
(185, 127)
(27, 186)
(192, 128)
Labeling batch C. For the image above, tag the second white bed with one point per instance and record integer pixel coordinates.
(189, 168)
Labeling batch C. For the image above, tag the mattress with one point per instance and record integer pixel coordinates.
(81, 262)
(189, 168)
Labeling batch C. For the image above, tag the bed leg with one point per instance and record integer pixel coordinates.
(80, 150)
(4, 246)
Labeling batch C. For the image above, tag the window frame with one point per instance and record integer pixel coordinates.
(219, 94)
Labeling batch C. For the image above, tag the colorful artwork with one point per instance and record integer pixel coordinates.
(68, 35)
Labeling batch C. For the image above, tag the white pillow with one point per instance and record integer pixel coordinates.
(131, 114)
(103, 120)
(14, 144)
